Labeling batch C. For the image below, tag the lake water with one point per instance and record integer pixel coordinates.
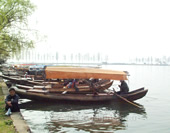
(154, 117)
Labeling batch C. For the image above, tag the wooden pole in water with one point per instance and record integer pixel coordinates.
(125, 99)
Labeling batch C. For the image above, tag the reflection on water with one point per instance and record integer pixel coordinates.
(76, 117)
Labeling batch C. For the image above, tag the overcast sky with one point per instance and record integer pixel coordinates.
(120, 28)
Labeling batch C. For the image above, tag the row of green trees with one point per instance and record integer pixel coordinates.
(14, 27)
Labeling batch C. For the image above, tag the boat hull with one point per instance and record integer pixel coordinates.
(46, 96)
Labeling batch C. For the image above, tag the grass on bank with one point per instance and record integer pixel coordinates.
(6, 124)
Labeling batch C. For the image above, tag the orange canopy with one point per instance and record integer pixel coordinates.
(83, 73)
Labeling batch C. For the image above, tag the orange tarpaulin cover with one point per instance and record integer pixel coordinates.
(83, 73)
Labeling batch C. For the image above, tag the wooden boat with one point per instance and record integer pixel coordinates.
(8, 70)
(21, 81)
(61, 89)
(34, 94)
(99, 85)
(22, 68)
(10, 73)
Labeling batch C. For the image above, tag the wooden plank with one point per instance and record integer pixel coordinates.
(38, 91)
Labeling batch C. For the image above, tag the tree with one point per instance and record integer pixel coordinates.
(98, 57)
(79, 57)
(106, 58)
(56, 56)
(14, 27)
(72, 57)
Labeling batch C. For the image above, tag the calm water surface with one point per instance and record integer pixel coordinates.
(71, 117)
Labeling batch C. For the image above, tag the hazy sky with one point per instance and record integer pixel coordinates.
(120, 28)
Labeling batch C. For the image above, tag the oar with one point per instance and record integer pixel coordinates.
(125, 99)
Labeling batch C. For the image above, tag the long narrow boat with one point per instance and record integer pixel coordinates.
(19, 80)
(60, 89)
(25, 83)
(45, 95)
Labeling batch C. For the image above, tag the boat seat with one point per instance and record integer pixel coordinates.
(99, 94)
(37, 91)
(23, 87)
(81, 87)
(53, 83)
(42, 87)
